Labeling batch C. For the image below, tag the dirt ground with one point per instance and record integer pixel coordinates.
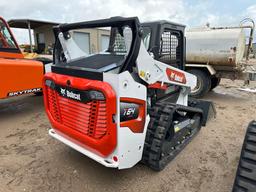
(30, 160)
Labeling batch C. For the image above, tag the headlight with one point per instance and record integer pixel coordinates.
(96, 95)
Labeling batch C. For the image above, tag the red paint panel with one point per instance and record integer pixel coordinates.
(135, 125)
(157, 85)
(176, 76)
(9, 55)
(90, 124)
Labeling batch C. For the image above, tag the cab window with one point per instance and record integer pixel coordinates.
(171, 48)
(146, 37)
(6, 39)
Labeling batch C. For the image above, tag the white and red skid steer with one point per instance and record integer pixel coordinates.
(128, 103)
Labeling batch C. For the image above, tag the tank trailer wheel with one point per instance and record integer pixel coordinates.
(215, 81)
(203, 83)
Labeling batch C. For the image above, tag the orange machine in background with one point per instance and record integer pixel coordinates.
(17, 75)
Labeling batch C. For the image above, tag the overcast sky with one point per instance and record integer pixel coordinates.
(189, 12)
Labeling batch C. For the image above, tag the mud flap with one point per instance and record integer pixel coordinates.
(208, 108)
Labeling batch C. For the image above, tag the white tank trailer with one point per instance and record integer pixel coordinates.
(224, 47)
(218, 52)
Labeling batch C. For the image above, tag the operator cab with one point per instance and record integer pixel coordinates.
(8, 45)
(165, 40)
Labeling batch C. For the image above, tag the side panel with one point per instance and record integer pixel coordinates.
(20, 76)
(10, 55)
(152, 71)
(130, 144)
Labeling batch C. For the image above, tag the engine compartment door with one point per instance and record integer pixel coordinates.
(20, 76)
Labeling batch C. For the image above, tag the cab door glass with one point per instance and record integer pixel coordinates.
(6, 39)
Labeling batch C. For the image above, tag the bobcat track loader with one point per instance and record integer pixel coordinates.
(121, 106)
(18, 75)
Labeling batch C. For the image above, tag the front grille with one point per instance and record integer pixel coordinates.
(87, 118)
(53, 105)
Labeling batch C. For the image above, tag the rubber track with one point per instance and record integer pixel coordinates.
(246, 172)
(160, 121)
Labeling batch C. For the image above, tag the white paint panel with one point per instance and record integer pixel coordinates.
(82, 40)
(48, 67)
(70, 48)
(129, 145)
(155, 71)
(106, 162)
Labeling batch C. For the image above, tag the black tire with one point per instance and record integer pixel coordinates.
(203, 83)
(215, 81)
(246, 172)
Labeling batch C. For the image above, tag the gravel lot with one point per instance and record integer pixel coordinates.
(30, 160)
